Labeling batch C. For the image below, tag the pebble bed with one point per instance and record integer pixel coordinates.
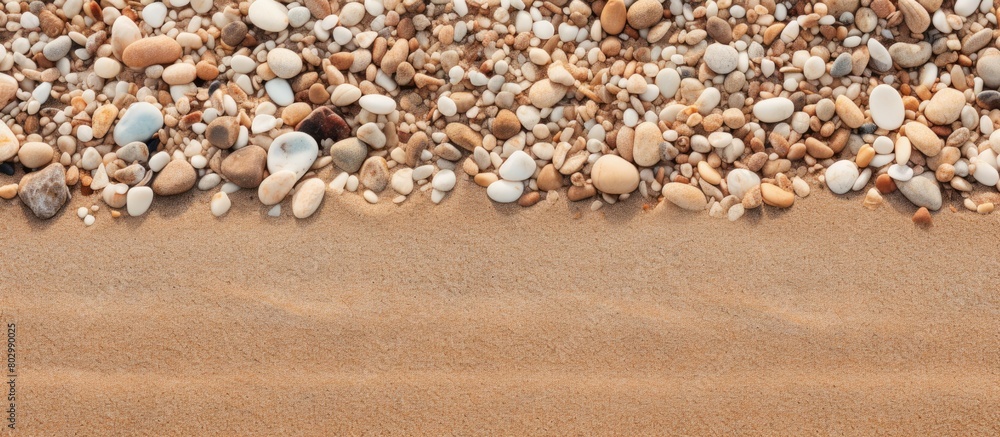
(719, 106)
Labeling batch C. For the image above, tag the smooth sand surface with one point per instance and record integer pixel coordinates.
(473, 318)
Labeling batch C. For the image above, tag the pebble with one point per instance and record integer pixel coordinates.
(444, 180)
(879, 58)
(721, 58)
(646, 144)
(324, 123)
(223, 132)
(268, 15)
(285, 63)
(842, 65)
(502, 191)
(518, 167)
(945, 107)
(922, 217)
(740, 181)
(138, 200)
(612, 174)
(220, 204)
(348, 154)
(402, 181)
(849, 112)
(377, 104)
(840, 176)
(280, 92)
(179, 74)
(141, 121)
(245, 167)
(506, 125)
(922, 191)
(685, 196)
(153, 50)
(44, 192)
(773, 195)
(35, 154)
(9, 144)
(308, 197)
(374, 174)
(178, 177)
(463, 136)
(154, 14)
(909, 55)
(887, 107)
(292, 151)
(988, 68)
(234, 33)
(773, 110)
(643, 14)
(923, 139)
(275, 188)
(613, 17)
(158, 161)
(872, 199)
(900, 172)
(546, 94)
(985, 173)
(57, 48)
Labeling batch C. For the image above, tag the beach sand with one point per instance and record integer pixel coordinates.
(475, 318)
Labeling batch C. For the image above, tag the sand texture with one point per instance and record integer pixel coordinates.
(472, 318)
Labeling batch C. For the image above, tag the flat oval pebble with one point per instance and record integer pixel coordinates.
(275, 187)
(773, 110)
(444, 180)
(505, 191)
(887, 107)
(308, 197)
(9, 144)
(685, 196)
(268, 15)
(377, 104)
(613, 175)
(922, 191)
(292, 151)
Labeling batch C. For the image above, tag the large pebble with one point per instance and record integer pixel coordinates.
(945, 107)
(773, 110)
(518, 167)
(293, 151)
(922, 190)
(268, 15)
(276, 186)
(545, 93)
(685, 196)
(721, 58)
(348, 154)
(245, 167)
(44, 192)
(323, 123)
(285, 63)
(176, 178)
(308, 197)
(138, 200)
(841, 175)
(646, 144)
(923, 138)
(502, 191)
(35, 154)
(887, 107)
(378, 104)
(140, 122)
(151, 50)
(612, 174)
(374, 174)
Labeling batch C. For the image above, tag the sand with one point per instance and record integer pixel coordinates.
(474, 318)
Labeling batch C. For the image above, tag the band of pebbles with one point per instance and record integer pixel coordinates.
(722, 105)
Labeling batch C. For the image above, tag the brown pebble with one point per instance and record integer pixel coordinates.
(922, 217)
(885, 184)
(529, 199)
